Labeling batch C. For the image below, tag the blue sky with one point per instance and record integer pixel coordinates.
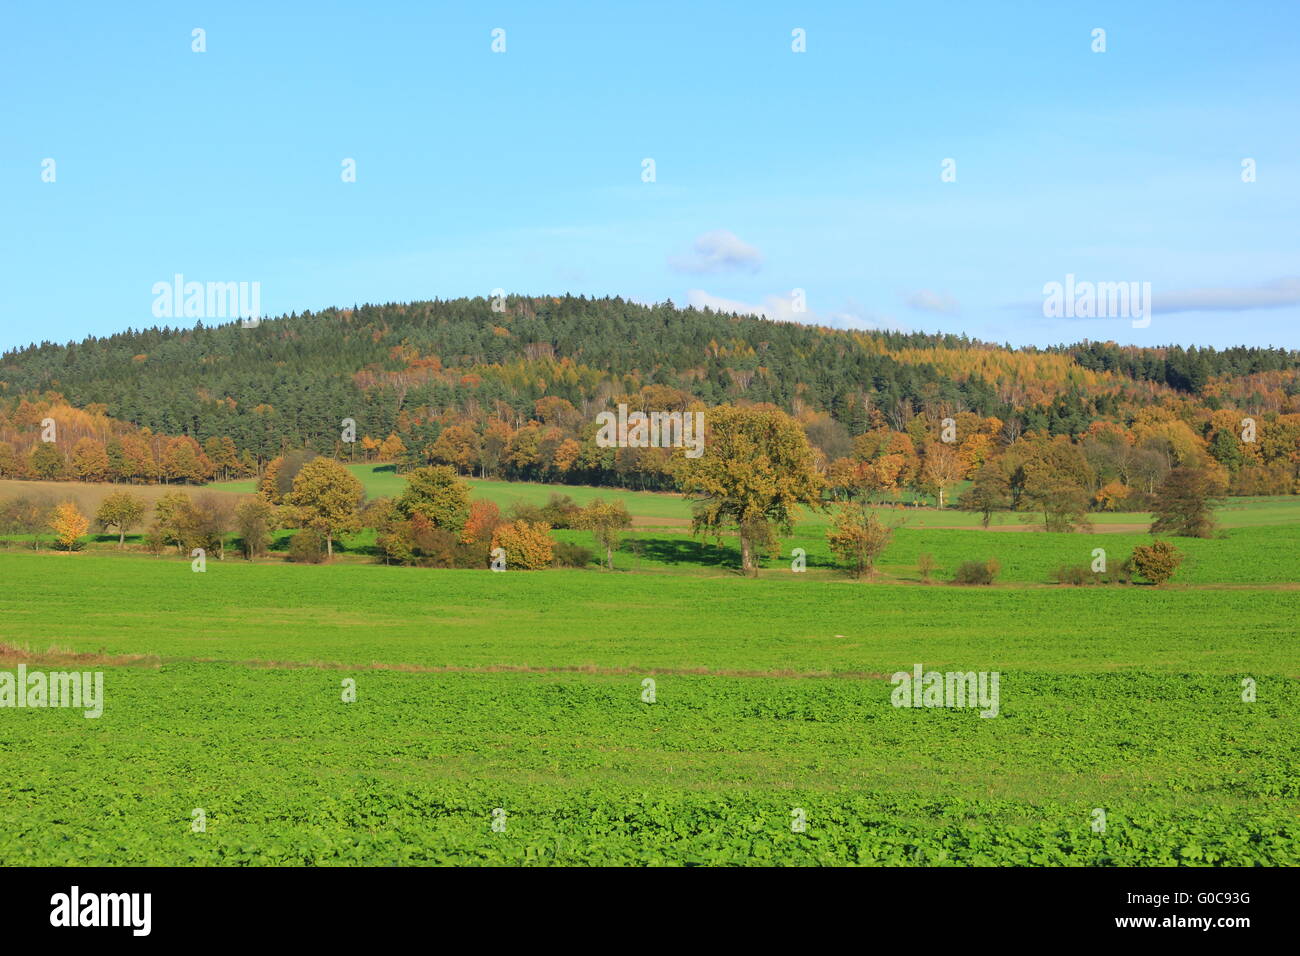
(774, 170)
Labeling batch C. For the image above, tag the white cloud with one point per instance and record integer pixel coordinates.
(853, 316)
(781, 308)
(699, 299)
(718, 251)
(924, 300)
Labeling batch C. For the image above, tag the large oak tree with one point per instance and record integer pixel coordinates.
(327, 497)
(756, 469)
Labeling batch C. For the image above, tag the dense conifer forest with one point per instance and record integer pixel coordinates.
(514, 391)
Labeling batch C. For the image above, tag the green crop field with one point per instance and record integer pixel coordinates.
(518, 699)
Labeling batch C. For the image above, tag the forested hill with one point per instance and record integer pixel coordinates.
(291, 380)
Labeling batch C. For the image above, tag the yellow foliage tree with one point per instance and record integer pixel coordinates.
(68, 524)
(528, 546)
(391, 448)
(327, 497)
(942, 468)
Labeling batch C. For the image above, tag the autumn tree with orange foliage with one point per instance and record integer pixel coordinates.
(90, 460)
(484, 517)
(458, 446)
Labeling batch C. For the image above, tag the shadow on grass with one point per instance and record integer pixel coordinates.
(281, 541)
(681, 551)
(674, 551)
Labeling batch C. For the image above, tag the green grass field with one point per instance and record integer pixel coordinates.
(666, 509)
(381, 481)
(1258, 542)
(520, 694)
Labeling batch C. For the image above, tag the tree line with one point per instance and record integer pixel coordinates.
(759, 472)
(1112, 465)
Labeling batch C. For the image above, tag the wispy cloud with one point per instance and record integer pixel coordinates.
(1274, 294)
(1268, 295)
(924, 300)
(854, 316)
(699, 299)
(718, 251)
